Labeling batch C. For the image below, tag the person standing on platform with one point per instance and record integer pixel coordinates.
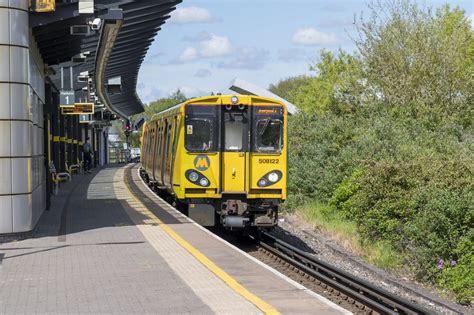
(87, 156)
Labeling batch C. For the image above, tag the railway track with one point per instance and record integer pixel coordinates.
(352, 293)
(358, 295)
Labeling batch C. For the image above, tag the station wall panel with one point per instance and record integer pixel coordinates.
(19, 28)
(6, 214)
(19, 4)
(5, 176)
(5, 63)
(19, 61)
(5, 110)
(22, 97)
(21, 142)
(4, 26)
(20, 101)
(22, 213)
(22, 178)
(5, 133)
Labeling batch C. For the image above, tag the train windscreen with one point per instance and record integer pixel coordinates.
(200, 128)
(268, 129)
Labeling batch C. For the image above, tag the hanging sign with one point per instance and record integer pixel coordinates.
(42, 5)
(66, 98)
(85, 119)
(78, 109)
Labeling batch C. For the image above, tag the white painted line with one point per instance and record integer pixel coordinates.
(255, 260)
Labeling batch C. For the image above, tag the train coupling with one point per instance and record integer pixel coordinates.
(235, 222)
(233, 207)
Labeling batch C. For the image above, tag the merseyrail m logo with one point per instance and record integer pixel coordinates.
(202, 162)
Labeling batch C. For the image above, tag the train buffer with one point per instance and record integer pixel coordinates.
(110, 245)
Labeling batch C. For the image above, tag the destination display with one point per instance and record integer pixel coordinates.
(42, 5)
(78, 109)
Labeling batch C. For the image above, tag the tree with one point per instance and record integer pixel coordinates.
(285, 88)
(418, 59)
(335, 84)
(151, 109)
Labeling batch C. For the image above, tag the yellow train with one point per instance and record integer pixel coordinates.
(221, 158)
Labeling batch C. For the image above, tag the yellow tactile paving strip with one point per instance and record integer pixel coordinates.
(221, 292)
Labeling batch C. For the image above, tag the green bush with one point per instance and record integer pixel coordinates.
(404, 185)
(385, 139)
(457, 275)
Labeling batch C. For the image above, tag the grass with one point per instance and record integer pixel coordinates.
(344, 232)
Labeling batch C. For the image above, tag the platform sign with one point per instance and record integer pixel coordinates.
(66, 98)
(78, 109)
(85, 119)
(42, 5)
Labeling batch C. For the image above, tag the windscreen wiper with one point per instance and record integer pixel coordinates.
(267, 121)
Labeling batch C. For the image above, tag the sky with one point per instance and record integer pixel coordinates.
(206, 44)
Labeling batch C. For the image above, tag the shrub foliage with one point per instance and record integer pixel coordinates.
(385, 139)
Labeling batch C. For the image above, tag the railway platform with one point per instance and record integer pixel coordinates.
(109, 245)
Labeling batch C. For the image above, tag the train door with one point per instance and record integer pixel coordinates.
(164, 152)
(167, 154)
(235, 139)
(156, 151)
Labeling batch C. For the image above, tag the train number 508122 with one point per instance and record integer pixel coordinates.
(268, 161)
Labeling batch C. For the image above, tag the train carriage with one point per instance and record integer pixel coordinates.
(221, 158)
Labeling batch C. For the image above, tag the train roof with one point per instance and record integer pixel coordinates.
(213, 100)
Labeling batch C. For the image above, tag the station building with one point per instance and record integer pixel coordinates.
(57, 57)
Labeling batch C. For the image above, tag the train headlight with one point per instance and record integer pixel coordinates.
(273, 177)
(204, 182)
(234, 99)
(270, 178)
(197, 178)
(193, 176)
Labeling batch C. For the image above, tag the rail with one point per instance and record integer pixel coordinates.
(377, 299)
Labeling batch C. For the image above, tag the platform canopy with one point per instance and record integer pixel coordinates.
(246, 88)
(115, 51)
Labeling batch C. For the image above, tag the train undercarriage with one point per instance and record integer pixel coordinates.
(234, 212)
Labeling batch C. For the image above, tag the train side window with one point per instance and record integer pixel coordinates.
(158, 146)
(199, 134)
(269, 135)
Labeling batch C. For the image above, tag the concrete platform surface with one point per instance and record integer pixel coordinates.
(109, 245)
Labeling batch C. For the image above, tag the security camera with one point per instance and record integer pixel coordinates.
(95, 24)
(83, 76)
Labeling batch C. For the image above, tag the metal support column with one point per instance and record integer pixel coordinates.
(56, 150)
(62, 143)
(69, 140)
(75, 127)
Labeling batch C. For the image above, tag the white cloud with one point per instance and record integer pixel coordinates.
(309, 36)
(188, 15)
(215, 46)
(188, 54)
(210, 46)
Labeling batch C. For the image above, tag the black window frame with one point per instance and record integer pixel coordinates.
(204, 113)
(278, 115)
(258, 137)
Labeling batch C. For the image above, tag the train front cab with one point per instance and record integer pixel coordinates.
(234, 161)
